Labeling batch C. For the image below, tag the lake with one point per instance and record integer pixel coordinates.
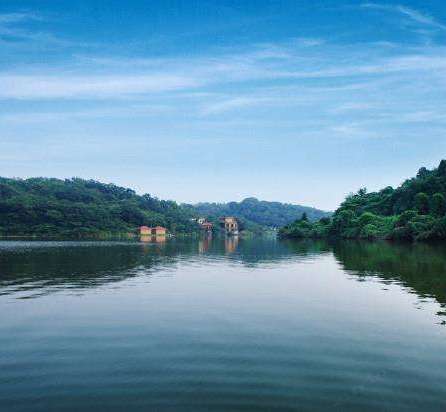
(222, 324)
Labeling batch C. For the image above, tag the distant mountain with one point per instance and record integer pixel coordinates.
(77, 207)
(260, 212)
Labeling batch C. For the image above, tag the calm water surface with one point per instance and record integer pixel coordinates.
(230, 325)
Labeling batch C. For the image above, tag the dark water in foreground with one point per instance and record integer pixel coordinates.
(212, 325)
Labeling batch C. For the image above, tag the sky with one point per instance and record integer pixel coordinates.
(294, 101)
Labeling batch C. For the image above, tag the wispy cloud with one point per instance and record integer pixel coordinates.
(424, 116)
(15, 34)
(233, 104)
(294, 61)
(412, 14)
(305, 81)
(89, 87)
(8, 18)
(12, 30)
(308, 41)
(127, 111)
(352, 107)
(353, 130)
(117, 78)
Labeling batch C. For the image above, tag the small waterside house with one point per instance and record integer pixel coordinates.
(230, 225)
(152, 231)
(207, 226)
(144, 231)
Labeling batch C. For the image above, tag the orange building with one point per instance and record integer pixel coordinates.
(159, 231)
(152, 231)
(207, 226)
(144, 230)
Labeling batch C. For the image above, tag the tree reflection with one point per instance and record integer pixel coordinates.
(419, 267)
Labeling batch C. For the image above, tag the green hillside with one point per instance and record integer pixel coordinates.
(259, 212)
(77, 207)
(414, 211)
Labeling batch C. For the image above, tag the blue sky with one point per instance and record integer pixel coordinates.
(296, 101)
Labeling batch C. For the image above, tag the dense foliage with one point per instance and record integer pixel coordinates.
(414, 211)
(77, 207)
(255, 212)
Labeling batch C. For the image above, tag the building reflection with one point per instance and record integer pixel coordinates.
(231, 243)
(205, 243)
(152, 239)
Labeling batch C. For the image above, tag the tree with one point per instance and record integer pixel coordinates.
(304, 217)
(442, 168)
(422, 203)
(439, 229)
(405, 218)
(341, 220)
(438, 205)
(422, 173)
(72, 207)
(325, 221)
(416, 210)
(369, 231)
(367, 218)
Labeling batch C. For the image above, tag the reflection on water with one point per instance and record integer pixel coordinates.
(419, 267)
(43, 265)
(205, 243)
(152, 239)
(231, 243)
(222, 324)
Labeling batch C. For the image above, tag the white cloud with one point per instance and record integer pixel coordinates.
(352, 106)
(142, 110)
(423, 116)
(352, 130)
(14, 34)
(412, 14)
(8, 18)
(308, 41)
(87, 86)
(233, 104)
(420, 18)
(125, 78)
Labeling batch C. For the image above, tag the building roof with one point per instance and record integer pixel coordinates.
(151, 228)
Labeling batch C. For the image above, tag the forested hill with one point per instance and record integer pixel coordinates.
(77, 207)
(416, 210)
(260, 212)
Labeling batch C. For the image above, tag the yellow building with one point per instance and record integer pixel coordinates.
(152, 231)
(230, 225)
